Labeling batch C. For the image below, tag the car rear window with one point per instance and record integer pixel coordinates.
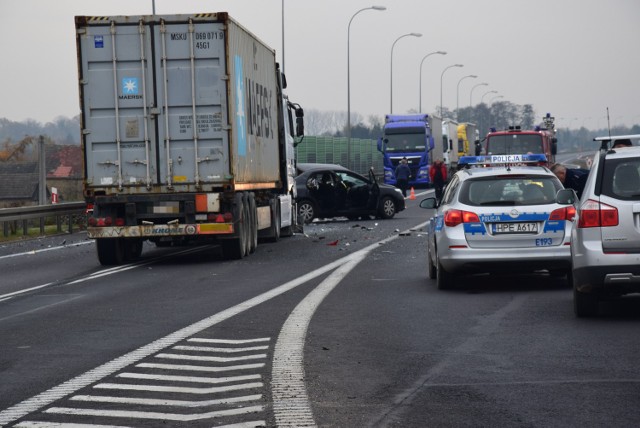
(521, 190)
(622, 179)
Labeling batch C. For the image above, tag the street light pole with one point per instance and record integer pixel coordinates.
(420, 87)
(441, 76)
(487, 93)
(349, 80)
(393, 46)
(472, 76)
(471, 97)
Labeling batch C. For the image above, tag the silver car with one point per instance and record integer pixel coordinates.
(499, 219)
(605, 242)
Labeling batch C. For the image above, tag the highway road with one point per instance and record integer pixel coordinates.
(337, 327)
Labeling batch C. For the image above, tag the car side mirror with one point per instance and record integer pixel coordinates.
(566, 197)
(429, 203)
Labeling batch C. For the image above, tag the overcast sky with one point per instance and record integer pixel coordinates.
(573, 58)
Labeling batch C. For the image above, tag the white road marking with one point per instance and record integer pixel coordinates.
(35, 424)
(43, 250)
(71, 386)
(228, 341)
(216, 359)
(180, 389)
(194, 379)
(250, 424)
(155, 415)
(290, 401)
(187, 367)
(157, 402)
(222, 350)
(99, 274)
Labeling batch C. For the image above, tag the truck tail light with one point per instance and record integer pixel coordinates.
(597, 214)
(565, 213)
(455, 217)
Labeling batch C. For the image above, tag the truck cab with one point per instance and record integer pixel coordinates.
(514, 140)
(411, 137)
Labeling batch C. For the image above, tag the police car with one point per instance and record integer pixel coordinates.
(499, 214)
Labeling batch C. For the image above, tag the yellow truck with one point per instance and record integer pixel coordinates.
(466, 139)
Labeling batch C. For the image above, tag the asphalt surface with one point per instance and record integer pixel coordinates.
(377, 343)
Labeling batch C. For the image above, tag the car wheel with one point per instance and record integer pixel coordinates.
(584, 304)
(306, 211)
(387, 208)
(431, 268)
(444, 280)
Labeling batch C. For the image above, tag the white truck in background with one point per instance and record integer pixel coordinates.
(186, 133)
(450, 144)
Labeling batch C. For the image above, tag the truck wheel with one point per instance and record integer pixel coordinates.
(387, 208)
(110, 251)
(132, 249)
(306, 211)
(273, 233)
(246, 222)
(253, 217)
(235, 248)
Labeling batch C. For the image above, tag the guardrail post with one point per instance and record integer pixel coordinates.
(25, 227)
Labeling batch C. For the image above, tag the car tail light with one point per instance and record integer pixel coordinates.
(455, 217)
(565, 213)
(597, 214)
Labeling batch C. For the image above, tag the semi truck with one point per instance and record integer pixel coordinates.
(413, 137)
(187, 134)
(514, 140)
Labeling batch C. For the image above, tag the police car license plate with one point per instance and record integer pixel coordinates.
(515, 228)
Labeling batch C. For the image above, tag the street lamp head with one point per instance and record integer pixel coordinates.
(473, 76)
(416, 34)
(441, 52)
(458, 65)
(378, 8)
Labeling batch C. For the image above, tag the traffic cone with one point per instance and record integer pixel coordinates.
(412, 195)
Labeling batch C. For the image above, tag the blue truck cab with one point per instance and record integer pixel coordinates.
(409, 136)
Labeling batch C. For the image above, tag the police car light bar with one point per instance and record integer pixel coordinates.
(495, 160)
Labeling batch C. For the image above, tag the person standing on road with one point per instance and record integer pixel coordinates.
(571, 178)
(403, 173)
(438, 175)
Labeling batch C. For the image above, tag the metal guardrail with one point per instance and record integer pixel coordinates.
(63, 211)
